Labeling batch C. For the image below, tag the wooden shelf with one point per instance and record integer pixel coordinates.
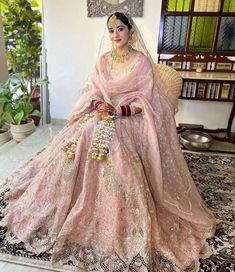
(205, 88)
(207, 85)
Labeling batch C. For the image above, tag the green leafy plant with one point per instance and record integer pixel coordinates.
(22, 33)
(3, 120)
(15, 99)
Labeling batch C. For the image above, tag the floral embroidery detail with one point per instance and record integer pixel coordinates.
(109, 176)
(69, 169)
(124, 192)
(136, 165)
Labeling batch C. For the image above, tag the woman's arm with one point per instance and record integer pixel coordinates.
(127, 110)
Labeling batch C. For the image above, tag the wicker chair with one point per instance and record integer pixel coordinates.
(169, 81)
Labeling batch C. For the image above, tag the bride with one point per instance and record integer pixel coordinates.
(112, 192)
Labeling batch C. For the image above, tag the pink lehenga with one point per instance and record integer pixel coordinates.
(139, 210)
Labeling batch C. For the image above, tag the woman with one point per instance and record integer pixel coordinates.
(112, 192)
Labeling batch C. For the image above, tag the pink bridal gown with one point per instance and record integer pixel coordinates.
(137, 211)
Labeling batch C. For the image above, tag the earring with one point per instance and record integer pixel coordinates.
(130, 43)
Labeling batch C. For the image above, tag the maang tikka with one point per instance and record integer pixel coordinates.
(112, 21)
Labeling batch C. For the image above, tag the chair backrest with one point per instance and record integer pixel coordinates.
(169, 81)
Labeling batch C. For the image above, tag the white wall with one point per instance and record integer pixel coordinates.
(3, 62)
(210, 114)
(72, 43)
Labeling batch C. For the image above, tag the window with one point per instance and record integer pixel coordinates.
(197, 26)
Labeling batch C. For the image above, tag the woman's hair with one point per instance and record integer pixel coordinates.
(122, 17)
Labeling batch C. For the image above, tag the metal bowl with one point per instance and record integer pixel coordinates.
(195, 140)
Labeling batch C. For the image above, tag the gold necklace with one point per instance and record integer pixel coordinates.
(117, 57)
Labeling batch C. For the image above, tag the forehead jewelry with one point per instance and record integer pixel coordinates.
(112, 21)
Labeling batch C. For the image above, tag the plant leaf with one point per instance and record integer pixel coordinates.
(36, 113)
(18, 117)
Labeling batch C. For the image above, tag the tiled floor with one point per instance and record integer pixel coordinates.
(10, 267)
(13, 155)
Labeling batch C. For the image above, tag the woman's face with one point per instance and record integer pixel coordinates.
(119, 34)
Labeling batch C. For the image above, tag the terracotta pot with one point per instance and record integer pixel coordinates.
(35, 102)
(5, 136)
(19, 132)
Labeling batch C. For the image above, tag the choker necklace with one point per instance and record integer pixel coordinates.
(117, 57)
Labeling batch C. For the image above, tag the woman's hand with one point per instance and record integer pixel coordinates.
(137, 110)
(106, 108)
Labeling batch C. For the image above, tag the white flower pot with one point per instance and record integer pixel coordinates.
(5, 136)
(19, 132)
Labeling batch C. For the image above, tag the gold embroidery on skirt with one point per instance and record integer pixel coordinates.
(69, 169)
(109, 176)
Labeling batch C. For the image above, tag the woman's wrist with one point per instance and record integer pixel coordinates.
(127, 110)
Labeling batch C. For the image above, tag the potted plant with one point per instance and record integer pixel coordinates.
(22, 33)
(5, 134)
(15, 102)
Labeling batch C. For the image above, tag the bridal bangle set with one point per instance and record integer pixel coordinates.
(125, 110)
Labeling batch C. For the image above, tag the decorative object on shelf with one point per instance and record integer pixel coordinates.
(201, 90)
(204, 61)
(199, 67)
(99, 8)
(225, 91)
(195, 140)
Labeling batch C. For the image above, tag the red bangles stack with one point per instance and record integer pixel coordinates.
(124, 110)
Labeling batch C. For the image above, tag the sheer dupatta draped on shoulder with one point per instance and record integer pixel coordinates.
(137, 211)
